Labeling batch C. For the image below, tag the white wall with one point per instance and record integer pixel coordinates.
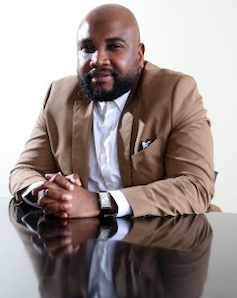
(197, 37)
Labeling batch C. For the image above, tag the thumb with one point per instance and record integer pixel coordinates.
(74, 178)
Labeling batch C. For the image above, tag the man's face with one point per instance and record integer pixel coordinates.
(109, 58)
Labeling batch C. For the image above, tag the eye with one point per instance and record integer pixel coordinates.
(114, 46)
(87, 48)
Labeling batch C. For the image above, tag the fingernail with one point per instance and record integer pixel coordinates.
(70, 187)
(67, 206)
(63, 216)
(78, 182)
(67, 197)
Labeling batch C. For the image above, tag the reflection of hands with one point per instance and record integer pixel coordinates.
(64, 197)
(60, 237)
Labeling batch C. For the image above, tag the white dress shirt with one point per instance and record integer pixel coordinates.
(104, 174)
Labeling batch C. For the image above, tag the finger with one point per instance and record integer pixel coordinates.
(61, 214)
(45, 185)
(38, 190)
(52, 195)
(74, 178)
(56, 207)
(51, 177)
(41, 194)
(62, 181)
(42, 201)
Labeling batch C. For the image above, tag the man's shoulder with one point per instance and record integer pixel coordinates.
(68, 82)
(155, 79)
(152, 71)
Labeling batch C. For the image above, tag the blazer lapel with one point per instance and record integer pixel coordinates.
(81, 135)
(125, 128)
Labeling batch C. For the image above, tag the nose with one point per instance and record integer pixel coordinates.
(99, 58)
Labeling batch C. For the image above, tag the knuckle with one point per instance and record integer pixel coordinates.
(48, 209)
(47, 184)
(68, 184)
(56, 176)
(66, 196)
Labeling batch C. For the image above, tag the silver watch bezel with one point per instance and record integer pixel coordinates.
(104, 200)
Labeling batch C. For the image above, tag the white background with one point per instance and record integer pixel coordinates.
(198, 37)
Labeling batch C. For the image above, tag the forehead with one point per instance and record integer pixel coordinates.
(103, 28)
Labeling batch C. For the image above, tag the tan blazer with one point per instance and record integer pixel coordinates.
(173, 175)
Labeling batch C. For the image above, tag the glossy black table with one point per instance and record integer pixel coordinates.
(188, 256)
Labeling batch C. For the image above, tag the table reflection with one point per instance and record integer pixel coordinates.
(142, 257)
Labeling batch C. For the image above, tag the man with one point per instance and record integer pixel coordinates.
(133, 132)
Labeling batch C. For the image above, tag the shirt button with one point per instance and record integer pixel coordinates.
(109, 184)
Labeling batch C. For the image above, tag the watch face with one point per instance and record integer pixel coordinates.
(105, 201)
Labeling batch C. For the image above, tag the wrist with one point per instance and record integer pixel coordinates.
(94, 196)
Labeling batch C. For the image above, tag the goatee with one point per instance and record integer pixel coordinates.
(121, 84)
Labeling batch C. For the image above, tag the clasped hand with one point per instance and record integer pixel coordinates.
(65, 197)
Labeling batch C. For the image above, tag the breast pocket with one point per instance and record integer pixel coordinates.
(148, 164)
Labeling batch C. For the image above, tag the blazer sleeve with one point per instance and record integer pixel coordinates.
(36, 158)
(188, 185)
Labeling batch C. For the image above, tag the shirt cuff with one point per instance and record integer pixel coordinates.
(29, 190)
(122, 203)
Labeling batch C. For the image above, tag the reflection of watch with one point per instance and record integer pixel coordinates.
(108, 228)
(105, 203)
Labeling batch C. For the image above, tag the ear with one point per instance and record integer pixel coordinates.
(141, 51)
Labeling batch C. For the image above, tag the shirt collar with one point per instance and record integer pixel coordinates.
(119, 102)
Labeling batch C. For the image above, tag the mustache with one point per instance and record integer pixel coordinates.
(101, 71)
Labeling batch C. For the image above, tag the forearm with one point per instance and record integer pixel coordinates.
(173, 196)
(21, 178)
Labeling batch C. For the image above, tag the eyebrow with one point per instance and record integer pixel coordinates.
(114, 39)
(84, 40)
(110, 39)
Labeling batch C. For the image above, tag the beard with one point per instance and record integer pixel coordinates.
(121, 84)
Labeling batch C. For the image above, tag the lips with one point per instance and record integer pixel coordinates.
(101, 76)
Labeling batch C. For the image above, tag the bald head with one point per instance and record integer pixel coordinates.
(112, 14)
